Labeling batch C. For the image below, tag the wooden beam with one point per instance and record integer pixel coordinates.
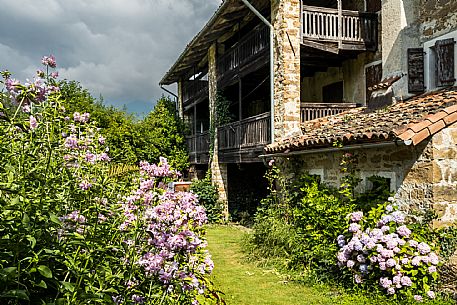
(320, 46)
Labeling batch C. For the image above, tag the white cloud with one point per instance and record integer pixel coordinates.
(117, 48)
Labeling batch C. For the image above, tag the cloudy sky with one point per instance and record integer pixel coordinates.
(119, 49)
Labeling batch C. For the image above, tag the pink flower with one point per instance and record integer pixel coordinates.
(33, 122)
(49, 61)
(418, 298)
(432, 269)
(431, 294)
(404, 231)
(84, 185)
(271, 163)
(55, 74)
(356, 216)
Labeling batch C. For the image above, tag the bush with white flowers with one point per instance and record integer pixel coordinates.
(384, 251)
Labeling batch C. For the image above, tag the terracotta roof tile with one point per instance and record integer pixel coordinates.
(451, 118)
(436, 117)
(420, 136)
(415, 119)
(436, 127)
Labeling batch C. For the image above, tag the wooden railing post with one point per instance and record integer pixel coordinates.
(340, 24)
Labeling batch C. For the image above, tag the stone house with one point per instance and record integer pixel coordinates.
(295, 76)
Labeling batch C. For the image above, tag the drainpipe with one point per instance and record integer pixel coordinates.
(168, 91)
(272, 67)
(176, 98)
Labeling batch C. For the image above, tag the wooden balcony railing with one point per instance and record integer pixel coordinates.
(320, 23)
(243, 52)
(198, 143)
(193, 89)
(250, 132)
(311, 111)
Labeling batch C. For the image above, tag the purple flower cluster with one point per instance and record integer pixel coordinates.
(81, 118)
(49, 61)
(386, 252)
(163, 169)
(173, 228)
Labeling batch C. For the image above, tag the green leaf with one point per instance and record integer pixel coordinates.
(7, 273)
(54, 219)
(32, 241)
(26, 220)
(68, 286)
(45, 271)
(16, 294)
(42, 284)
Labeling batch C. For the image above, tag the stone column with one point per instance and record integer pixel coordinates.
(180, 102)
(218, 170)
(287, 30)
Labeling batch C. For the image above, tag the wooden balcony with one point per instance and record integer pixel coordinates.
(198, 148)
(311, 111)
(325, 28)
(243, 141)
(247, 133)
(194, 90)
(250, 53)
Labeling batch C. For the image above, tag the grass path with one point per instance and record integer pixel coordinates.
(245, 284)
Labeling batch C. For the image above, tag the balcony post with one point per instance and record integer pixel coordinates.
(340, 24)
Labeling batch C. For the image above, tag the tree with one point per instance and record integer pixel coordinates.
(163, 135)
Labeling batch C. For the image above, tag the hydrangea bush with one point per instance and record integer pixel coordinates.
(381, 249)
(72, 233)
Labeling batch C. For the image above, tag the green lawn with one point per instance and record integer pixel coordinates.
(243, 283)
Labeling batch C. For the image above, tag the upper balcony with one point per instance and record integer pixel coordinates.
(334, 30)
(243, 141)
(246, 56)
(193, 91)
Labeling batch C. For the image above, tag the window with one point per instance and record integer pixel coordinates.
(444, 62)
(439, 63)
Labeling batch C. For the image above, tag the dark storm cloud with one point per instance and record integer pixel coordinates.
(119, 49)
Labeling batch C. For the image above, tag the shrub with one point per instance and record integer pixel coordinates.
(209, 198)
(71, 231)
(384, 249)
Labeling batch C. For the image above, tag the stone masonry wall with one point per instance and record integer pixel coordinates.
(444, 148)
(421, 177)
(437, 17)
(286, 21)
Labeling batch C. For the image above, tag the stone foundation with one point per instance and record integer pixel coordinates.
(422, 177)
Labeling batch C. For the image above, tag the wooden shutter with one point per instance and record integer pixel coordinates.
(416, 83)
(373, 76)
(445, 62)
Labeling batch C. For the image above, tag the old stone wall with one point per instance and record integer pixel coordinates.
(444, 149)
(285, 16)
(437, 17)
(422, 177)
(218, 170)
